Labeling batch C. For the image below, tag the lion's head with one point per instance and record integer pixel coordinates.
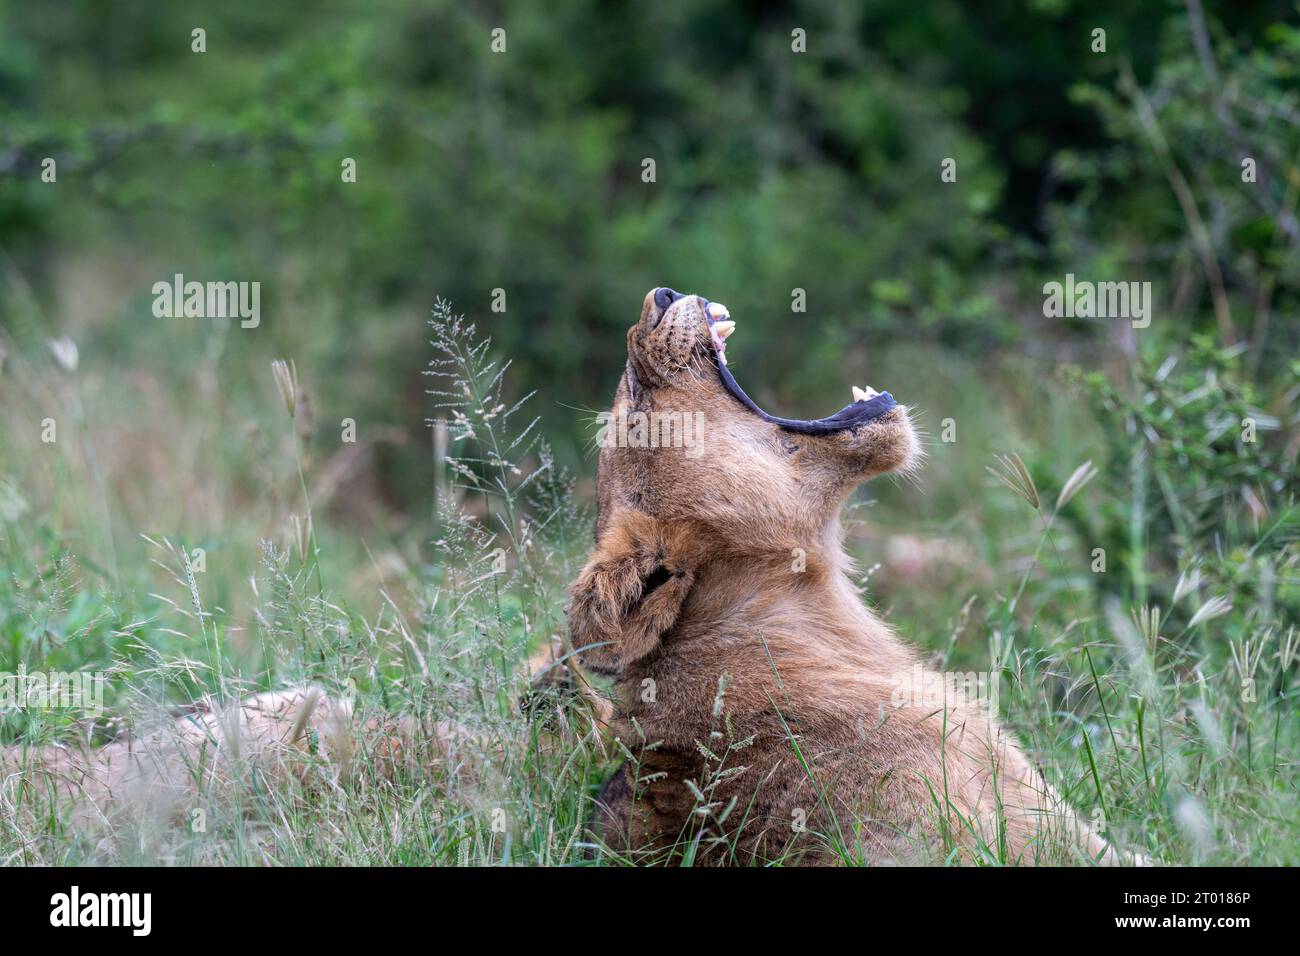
(700, 491)
(684, 441)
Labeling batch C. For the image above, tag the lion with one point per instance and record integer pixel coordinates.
(755, 695)
(298, 737)
(296, 742)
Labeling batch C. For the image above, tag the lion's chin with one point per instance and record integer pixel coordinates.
(890, 444)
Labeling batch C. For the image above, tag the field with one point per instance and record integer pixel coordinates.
(1170, 726)
(367, 491)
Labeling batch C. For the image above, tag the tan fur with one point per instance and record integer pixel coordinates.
(275, 740)
(295, 741)
(696, 578)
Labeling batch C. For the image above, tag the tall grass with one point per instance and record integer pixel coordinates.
(1157, 694)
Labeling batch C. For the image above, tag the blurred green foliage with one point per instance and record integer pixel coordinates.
(774, 171)
(521, 171)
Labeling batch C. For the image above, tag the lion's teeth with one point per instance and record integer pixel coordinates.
(723, 329)
(717, 310)
(864, 394)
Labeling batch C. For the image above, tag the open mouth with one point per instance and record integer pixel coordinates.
(867, 405)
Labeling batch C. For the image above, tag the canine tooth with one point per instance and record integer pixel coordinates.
(864, 394)
(723, 329)
(717, 310)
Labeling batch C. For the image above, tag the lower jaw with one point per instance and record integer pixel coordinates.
(851, 416)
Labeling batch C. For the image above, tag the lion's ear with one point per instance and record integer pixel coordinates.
(628, 595)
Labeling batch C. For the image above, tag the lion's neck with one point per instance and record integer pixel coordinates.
(798, 595)
(769, 627)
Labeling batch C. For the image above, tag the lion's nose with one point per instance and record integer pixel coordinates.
(665, 297)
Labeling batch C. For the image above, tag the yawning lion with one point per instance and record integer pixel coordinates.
(755, 693)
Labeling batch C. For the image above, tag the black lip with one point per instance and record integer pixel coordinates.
(850, 416)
